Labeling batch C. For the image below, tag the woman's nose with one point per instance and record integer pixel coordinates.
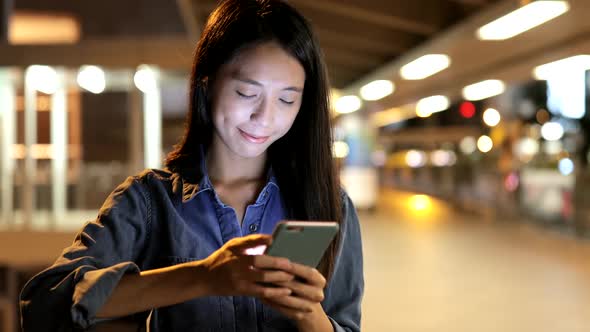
(263, 114)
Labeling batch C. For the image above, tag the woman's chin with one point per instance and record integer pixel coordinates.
(249, 150)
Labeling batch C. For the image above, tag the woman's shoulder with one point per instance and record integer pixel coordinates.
(345, 200)
(157, 177)
(154, 174)
(149, 181)
(349, 213)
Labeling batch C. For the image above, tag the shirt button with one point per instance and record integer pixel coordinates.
(253, 228)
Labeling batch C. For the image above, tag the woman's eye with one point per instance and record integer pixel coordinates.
(244, 95)
(287, 102)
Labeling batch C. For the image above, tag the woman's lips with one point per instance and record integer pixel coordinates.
(252, 138)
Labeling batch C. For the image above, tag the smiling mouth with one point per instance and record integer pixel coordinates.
(252, 138)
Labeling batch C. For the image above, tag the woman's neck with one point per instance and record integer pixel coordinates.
(224, 166)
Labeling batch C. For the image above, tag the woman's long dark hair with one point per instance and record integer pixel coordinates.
(302, 159)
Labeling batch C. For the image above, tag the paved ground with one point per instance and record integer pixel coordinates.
(430, 269)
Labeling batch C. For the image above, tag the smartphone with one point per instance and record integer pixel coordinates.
(302, 242)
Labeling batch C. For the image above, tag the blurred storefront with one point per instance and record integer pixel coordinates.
(69, 140)
(516, 157)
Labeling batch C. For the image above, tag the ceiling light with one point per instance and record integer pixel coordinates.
(42, 78)
(377, 90)
(348, 104)
(145, 79)
(524, 18)
(483, 90)
(392, 115)
(426, 106)
(42, 28)
(425, 66)
(92, 78)
(566, 92)
(557, 68)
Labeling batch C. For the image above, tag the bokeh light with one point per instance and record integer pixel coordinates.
(341, 149)
(377, 90)
(542, 116)
(442, 158)
(42, 78)
(415, 158)
(420, 203)
(566, 166)
(511, 182)
(552, 131)
(485, 144)
(348, 104)
(468, 145)
(467, 109)
(491, 117)
(92, 78)
(526, 148)
(146, 79)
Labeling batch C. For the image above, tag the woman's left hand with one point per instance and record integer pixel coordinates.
(307, 293)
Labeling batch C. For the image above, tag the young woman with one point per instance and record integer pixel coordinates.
(169, 245)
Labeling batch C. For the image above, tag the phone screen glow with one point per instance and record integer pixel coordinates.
(259, 250)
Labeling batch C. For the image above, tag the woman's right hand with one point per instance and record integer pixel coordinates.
(230, 271)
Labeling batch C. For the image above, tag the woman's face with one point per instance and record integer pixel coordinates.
(255, 99)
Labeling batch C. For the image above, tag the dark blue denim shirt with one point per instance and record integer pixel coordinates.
(158, 219)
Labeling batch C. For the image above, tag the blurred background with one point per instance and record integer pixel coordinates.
(462, 135)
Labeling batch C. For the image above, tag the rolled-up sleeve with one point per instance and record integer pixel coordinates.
(68, 295)
(344, 293)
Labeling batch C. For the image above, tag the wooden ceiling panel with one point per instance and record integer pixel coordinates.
(370, 12)
(357, 42)
(357, 36)
(334, 23)
(113, 18)
(341, 74)
(474, 60)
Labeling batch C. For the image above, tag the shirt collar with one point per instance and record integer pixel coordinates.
(194, 182)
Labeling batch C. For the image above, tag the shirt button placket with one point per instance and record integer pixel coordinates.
(253, 228)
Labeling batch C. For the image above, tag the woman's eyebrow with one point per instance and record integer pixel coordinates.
(238, 77)
(293, 88)
(242, 79)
